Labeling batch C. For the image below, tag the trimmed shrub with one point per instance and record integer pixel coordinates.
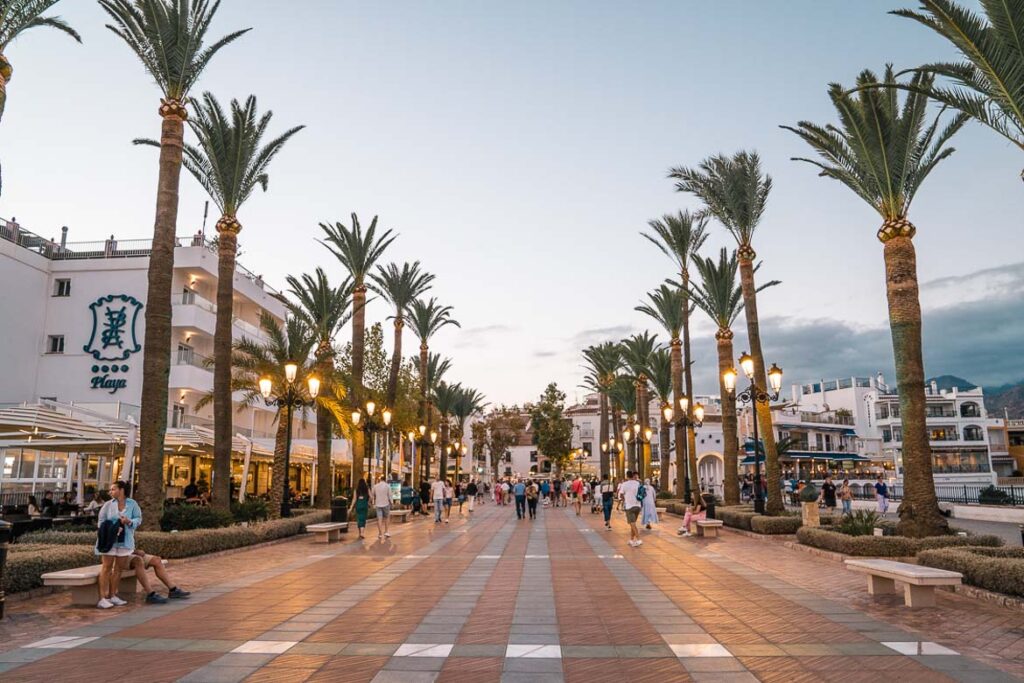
(886, 546)
(737, 516)
(784, 524)
(666, 495)
(993, 496)
(251, 510)
(28, 562)
(859, 523)
(995, 569)
(188, 517)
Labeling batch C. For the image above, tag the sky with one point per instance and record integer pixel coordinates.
(519, 149)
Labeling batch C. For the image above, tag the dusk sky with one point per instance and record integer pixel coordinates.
(520, 147)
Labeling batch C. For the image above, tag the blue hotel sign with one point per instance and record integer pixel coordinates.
(113, 340)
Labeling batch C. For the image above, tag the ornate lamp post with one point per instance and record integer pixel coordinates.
(753, 396)
(425, 442)
(291, 397)
(372, 427)
(611, 447)
(581, 457)
(685, 422)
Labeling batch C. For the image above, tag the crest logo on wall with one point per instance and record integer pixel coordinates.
(113, 339)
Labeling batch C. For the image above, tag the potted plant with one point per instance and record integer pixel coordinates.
(809, 505)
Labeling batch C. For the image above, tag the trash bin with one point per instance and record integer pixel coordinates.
(709, 504)
(5, 539)
(339, 510)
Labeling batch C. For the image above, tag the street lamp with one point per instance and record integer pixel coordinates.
(581, 457)
(685, 421)
(754, 395)
(371, 426)
(292, 397)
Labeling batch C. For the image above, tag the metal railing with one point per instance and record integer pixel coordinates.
(963, 494)
(193, 299)
(189, 357)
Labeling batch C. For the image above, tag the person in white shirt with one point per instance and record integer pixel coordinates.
(380, 496)
(437, 495)
(632, 503)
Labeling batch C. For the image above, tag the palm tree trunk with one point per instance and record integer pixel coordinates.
(603, 402)
(676, 355)
(358, 346)
(730, 430)
(919, 509)
(424, 413)
(156, 360)
(324, 433)
(227, 246)
(617, 430)
(277, 468)
(691, 434)
(396, 363)
(772, 473)
(663, 441)
(442, 467)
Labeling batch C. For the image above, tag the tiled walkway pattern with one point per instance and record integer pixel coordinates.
(497, 599)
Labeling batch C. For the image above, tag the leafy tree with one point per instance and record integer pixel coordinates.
(552, 431)
(169, 38)
(883, 152)
(498, 431)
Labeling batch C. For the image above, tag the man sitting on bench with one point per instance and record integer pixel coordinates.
(140, 562)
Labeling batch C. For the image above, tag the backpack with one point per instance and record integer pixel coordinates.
(641, 492)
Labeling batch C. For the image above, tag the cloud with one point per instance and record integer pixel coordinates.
(599, 335)
(545, 354)
(478, 336)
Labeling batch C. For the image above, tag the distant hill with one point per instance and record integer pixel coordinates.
(1008, 398)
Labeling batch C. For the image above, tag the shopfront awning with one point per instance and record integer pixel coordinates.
(822, 456)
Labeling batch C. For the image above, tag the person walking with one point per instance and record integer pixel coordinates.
(472, 490)
(449, 493)
(577, 494)
(519, 490)
(424, 497)
(556, 492)
(117, 521)
(882, 495)
(828, 493)
(362, 506)
(564, 488)
(532, 493)
(846, 496)
(632, 503)
(607, 500)
(381, 496)
(649, 505)
(437, 495)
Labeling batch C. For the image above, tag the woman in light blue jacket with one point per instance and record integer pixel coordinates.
(126, 514)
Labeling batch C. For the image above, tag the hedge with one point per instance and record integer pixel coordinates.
(995, 569)
(25, 567)
(886, 546)
(786, 524)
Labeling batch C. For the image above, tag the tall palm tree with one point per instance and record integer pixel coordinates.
(230, 162)
(169, 38)
(636, 355)
(358, 252)
(428, 318)
(735, 192)
(437, 368)
(16, 17)
(668, 306)
(990, 81)
(603, 362)
(622, 396)
(469, 403)
(400, 286)
(659, 369)
(680, 237)
(720, 295)
(324, 309)
(446, 398)
(883, 152)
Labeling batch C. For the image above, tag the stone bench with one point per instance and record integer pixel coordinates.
(708, 528)
(400, 516)
(327, 532)
(918, 582)
(84, 583)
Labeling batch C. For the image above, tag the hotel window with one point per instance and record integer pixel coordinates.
(882, 411)
(55, 343)
(178, 416)
(62, 287)
(886, 435)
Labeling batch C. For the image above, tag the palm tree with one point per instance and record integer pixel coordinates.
(16, 17)
(680, 237)
(622, 396)
(990, 82)
(721, 297)
(659, 369)
(358, 252)
(428, 318)
(400, 286)
(668, 306)
(883, 152)
(603, 362)
(324, 310)
(446, 397)
(469, 403)
(636, 355)
(437, 368)
(169, 38)
(736, 192)
(230, 162)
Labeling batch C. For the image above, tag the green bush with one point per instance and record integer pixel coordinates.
(666, 495)
(188, 517)
(26, 563)
(251, 510)
(784, 524)
(993, 496)
(995, 569)
(736, 516)
(858, 523)
(885, 546)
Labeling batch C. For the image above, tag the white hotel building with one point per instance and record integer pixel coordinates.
(72, 342)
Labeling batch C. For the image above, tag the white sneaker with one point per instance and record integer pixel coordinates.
(387, 535)
(687, 534)
(118, 602)
(104, 604)
(639, 542)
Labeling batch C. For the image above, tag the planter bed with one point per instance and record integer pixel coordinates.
(886, 546)
(994, 569)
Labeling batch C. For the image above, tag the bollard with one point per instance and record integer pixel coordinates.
(5, 539)
(1021, 527)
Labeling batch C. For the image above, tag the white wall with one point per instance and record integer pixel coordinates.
(23, 282)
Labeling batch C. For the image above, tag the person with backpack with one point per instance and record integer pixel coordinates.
(633, 493)
(532, 493)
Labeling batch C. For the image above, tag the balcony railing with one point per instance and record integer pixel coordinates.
(193, 299)
(189, 357)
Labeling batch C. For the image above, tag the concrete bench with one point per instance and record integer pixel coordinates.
(708, 527)
(400, 516)
(327, 532)
(918, 582)
(84, 583)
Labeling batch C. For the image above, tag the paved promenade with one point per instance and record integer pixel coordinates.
(498, 599)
